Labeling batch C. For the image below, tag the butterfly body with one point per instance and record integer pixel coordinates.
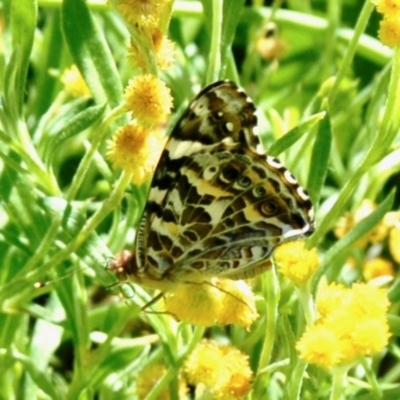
(218, 206)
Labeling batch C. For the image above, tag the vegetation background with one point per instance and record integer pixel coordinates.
(64, 212)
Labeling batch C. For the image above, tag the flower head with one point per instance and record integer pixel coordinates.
(136, 149)
(388, 7)
(377, 267)
(141, 12)
(163, 49)
(314, 344)
(269, 45)
(149, 99)
(295, 262)
(149, 377)
(74, 83)
(223, 370)
(389, 27)
(218, 301)
(353, 319)
(389, 31)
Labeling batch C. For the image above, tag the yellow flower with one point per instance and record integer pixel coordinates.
(352, 320)
(295, 262)
(237, 303)
(268, 44)
(394, 242)
(136, 149)
(149, 377)
(196, 303)
(316, 346)
(389, 27)
(377, 267)
(163, 49)
(149, 99)
(141, 12)
(388, 7)
(367, 301)
(223, 370)
(329, 296)
(389, 31)
(217, 301)
(74, 83)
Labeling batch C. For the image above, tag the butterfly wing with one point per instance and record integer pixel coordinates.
(217, 204)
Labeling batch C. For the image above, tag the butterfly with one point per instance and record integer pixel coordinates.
(218, 205)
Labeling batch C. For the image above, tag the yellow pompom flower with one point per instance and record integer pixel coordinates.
(295, 262)
(163, 49)
(377, 267)
(314, 345)
(149, 99)
(352, 320)
(389, 31)
(141, 12)
(74, 83)
(216, 301)
(136, 150)
(268, 44)
(224, 371)
(388, 7)
(329, 297)
(149, 377)
(238, 303)
(195, 303)
(389, 27)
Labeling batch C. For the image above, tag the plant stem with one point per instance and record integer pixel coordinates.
(296, 380)
(307, 303)
(339, 381)
(271, 293)
(214, 65)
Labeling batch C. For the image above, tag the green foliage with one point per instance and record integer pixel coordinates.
(64, 211)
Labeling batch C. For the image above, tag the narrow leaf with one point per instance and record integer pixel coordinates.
(91, 53)
(320, 159)
(75, 125)
(23, 24)
(294, 135)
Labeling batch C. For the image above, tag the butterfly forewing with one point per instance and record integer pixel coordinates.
(217, 206)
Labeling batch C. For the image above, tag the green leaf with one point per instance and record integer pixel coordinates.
(385, 394)
(394, 292)
(48, 57)
(23, 24)
(91, 53)
(231, 13)
(74, 124)
(320, 159)
(41, 378)
(9, 111)
(294, 135)
(394, 323)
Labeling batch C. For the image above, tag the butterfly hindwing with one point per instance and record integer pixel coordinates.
(217, 205)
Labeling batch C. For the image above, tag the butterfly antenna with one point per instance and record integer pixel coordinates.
(41, 284)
